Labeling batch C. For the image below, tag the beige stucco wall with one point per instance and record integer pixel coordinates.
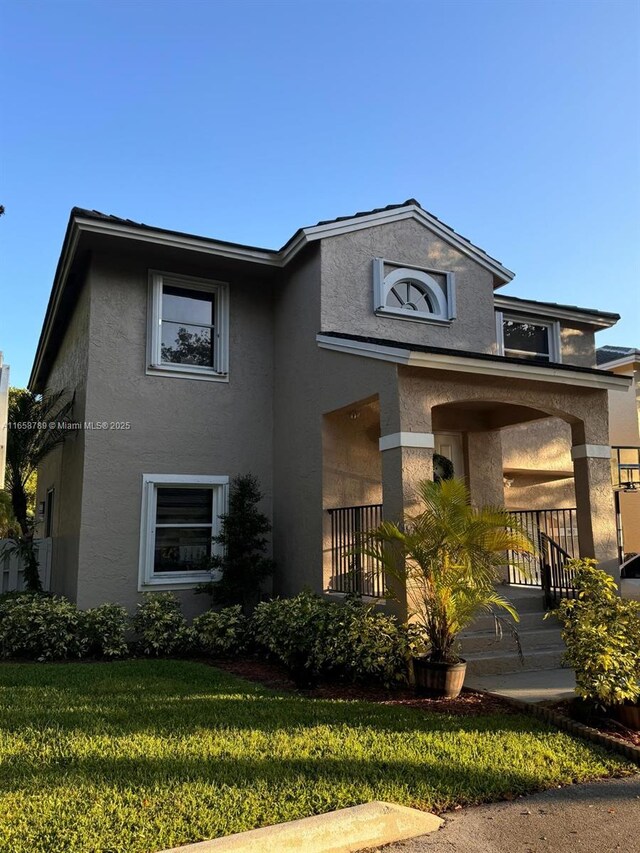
(578, 344)
(178, 425)
(347, 287)
(63, 470)
(309, 384)
(624, 411)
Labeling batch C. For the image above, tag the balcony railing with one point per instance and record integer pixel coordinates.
(352, 571)
(555, 535)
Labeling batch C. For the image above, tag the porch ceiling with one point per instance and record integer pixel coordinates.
(479, 416)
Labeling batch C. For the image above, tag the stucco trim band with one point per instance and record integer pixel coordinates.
(407, 439)
(469, 364)
(591, 451)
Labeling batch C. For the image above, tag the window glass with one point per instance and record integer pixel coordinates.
(183, 529)
(176, 505)
(411, 296)
(186, 344)
(526, 340)
(187, 306)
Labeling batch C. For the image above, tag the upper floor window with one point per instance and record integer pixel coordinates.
(188, 320)
(413, 293)
(524, 337)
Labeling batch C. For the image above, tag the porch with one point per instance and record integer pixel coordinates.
(538, 450)
(554, 531)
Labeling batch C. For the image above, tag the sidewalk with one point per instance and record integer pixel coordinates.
(600, 817)
(546, 685)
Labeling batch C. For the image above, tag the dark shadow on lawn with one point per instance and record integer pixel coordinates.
(435, 780)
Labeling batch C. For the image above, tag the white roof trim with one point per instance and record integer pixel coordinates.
(383, 217)
(462, 364)
(306, 235)
(177, 241)
(536, 309)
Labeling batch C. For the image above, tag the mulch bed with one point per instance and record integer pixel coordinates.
(606, 725)
(271, 675)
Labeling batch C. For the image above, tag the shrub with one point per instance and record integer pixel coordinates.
(602, 635)
(160, 625)
(313, 637)
(40, 627)
(288, 629)
(243, 562)
(363, 645)
(221, 632)
(105, 629)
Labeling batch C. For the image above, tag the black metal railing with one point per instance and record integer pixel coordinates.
(625, 467)
(352, 571)
(555, 535)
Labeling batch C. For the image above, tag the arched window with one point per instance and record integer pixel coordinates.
(413, 294)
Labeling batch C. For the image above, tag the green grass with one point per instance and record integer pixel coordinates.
(143, 755)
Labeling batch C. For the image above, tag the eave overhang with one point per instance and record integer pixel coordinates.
(438, 358)
(598, 319)
(81, 222)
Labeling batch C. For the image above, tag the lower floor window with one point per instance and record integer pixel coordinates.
(180, 517)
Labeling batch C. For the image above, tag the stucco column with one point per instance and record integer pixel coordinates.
(484, 468)
(594, 501)
(407, 458)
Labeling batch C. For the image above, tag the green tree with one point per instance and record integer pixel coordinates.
(448, 558)
(243, 563)
(36, 427)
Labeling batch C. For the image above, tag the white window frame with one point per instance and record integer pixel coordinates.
(155, 366)
(553, 326)
(382, 284)
(147, 579)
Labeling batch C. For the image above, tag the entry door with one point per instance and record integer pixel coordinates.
(449, 444)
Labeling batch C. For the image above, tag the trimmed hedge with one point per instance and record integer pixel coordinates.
(312, 636)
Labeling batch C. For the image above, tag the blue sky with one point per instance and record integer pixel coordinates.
(517, 123)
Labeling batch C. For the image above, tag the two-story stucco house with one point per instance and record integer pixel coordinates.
(332, 369)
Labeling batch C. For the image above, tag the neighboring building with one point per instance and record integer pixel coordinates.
(4, 410)
(624, 432)
(331, 369)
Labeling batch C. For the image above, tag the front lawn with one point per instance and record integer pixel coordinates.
(144, 755)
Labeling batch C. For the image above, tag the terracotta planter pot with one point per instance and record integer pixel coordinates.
(628, 715)
(438, 680)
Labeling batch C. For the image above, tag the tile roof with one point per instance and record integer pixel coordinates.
(608, 353)
(108, 217)
(563, 306)
(484, 356)
(410, 202)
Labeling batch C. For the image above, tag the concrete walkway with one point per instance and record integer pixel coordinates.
(601, 817)
(543, 685)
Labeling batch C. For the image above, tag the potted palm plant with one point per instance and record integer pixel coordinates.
(447, 558)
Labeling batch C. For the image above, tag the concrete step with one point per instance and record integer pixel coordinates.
(524, 599)
(486, 641)
(528, 622)
(495, 663)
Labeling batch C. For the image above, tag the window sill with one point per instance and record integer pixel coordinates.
(179, 581)
(186, 372)
(412, 317)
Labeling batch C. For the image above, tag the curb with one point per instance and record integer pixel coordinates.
(342, 831)
(572, 726)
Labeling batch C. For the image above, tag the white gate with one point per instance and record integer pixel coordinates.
(12, 570)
